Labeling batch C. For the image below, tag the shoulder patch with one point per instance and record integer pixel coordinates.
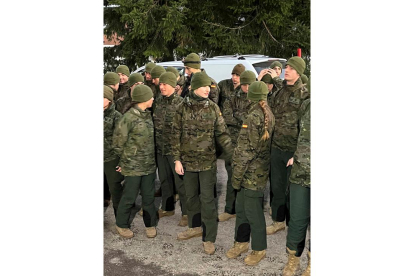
(213, 86)
(220, 114)
(244, 126)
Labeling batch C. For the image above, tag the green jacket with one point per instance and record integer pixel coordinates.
(199, 131)
(277, 83)
(285, 106)
(111, 118)
(226, 88)
(134, 142)
(300, 173)
(251, 159)
(234, 112)
(124, 102)
(164, 112)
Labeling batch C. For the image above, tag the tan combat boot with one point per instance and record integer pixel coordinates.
(209, 247)
(190, 233)
(274, 227)
(255, 257)
(141, 212)
(292, 265)
(162, 213)
(151, 232)
(226, 216)
(237, 249)
(124, 232)
(307, 271)
(184, 221)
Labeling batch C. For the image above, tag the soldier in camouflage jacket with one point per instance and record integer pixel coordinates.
(228, 86)
(251, 165)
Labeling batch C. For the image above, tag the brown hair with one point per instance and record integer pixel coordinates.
(263, 105)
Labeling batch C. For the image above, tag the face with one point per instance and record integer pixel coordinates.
(156, 81)
(203, 91)
(116, 86)
(148, 76)
(236, 79)
(188, 70)
(278, 70)
(106, 103)
(290, 74)
(269, 86)
(245, 88)
(166, 89)
(124, 78)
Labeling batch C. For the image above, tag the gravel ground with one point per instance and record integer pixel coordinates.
(165, 255)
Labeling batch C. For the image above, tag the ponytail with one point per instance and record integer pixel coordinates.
(266, 135)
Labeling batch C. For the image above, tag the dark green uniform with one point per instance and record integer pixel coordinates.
(122, 92)
(227, 89)
(300, 185)
(133, 141)
(123, 103)
(199, 128)
(277, 83)
(111, 160)
(164, 112)
(285, 106)
(251, 165)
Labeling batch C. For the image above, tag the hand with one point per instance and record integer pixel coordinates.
(290, 162)
(179, 168)
(262, 73)
(272, 73)
(118, 169)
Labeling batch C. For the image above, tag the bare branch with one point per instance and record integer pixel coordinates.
(270, 33)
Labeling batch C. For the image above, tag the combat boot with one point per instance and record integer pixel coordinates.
(209, 247)
(190, 233)
(124, 232)
(184, 221)
(292, 265)
(237, 249)
(151, 232)
(274, 227)
(162, 213)
(255, 257)
(307, 271)
(226, 216)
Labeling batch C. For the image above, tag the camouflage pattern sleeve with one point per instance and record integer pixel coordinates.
(214, 92)
(222, 136)
(228, 113)
(176, 133)
(120, 137)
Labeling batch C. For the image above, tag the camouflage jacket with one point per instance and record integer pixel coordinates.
(285, 106)
(122, 91)
(226, 91)
(234, 112)
(251, 159)
(151, 85)
(111, 117)
(277, 83)
(133, 141)
(164, 112)
(124, 102)
(214, 89)
(300, 173)
(199, 131)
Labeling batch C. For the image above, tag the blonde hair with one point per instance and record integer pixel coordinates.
(263, 105)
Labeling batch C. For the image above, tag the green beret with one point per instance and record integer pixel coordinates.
(200, 79)
(123, 69)
(267, 79)
(247, 77)
(168, 78)
(298, 64)
(276, 64)
(134, 78)
(257, 91)
(193, 61)
(141, 93)
(111, 78)
(157, 71)
(304, 79)
(149, 66)
(108, 93)
(173, 70)
(238, 69)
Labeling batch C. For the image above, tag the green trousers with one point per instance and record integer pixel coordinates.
(114, 179)
(132, 186)
(279, 177)
(169, 178)
(250, 220)
(299, 218)
(201, 207)
(230, 207)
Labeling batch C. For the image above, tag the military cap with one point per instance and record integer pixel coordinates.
(168, 78)
(247, 77)
(173, 70)
(123, 69)
(276, 64)
(108, 93)
(193, 61)
(257, 91)
(267, 78)
(238, 69)
(134, 78)
(297, 63)
(157, 71)
(149, 66)
(111, 78)
(141, 93)
(304, 79)
(200, 79)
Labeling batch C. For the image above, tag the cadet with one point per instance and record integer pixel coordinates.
(251, 163)
(123, 73)
(124, 103)
(111, 160)
(285, 106)
(234, 112)
(180, 79)
(228, 86)
(111, 79)
(165, 108)
(299, 196)
(199, 128)
(155, 75)
(271, 88)
(148, 80)
(134, 143)
(192, 65)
